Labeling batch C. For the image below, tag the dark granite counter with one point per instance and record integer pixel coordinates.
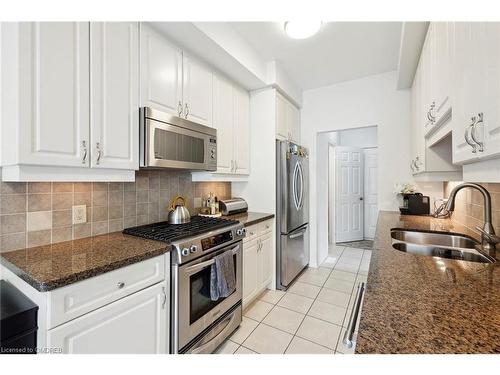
(250, 218)
(60, 264)
(421, 304)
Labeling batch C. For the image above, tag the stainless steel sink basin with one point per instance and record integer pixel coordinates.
(438, 244)
(434, 238)
(441, 252)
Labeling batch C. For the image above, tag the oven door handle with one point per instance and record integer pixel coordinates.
(197, 267)
(229, 320)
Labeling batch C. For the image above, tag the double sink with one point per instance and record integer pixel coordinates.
(439, 244)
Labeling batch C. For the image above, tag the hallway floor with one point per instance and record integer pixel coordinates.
(363, 244)
(311, 317)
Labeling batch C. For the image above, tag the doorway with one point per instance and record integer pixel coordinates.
(352, 187)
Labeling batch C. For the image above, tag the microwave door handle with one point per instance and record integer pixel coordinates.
(198, 267)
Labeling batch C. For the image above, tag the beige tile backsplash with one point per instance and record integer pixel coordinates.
(469, 205)
(40, 213)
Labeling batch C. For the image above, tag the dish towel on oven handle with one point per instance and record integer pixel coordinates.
(222, 277)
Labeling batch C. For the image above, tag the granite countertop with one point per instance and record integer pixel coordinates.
(60, 264)
(412, 304)
(250, 218)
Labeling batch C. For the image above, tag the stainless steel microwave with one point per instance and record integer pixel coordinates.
(168, 141)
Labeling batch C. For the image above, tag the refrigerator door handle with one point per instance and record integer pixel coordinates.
(294, 186)
(301, 176)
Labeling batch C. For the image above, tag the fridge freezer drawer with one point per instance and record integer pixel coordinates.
(294, 254)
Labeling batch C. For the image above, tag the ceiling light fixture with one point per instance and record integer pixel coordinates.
(301, 29)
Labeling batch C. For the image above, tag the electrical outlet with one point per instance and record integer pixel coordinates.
(79, 214)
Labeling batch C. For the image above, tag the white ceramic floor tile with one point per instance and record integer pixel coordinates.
(296, 303)
(349, 261)
(228, 347)
(303, 289)
(347, 267)
(329, 262)
(317, 280)
(322, 271)
(284, 319)
(334, 297)
(360, 279)
(271, 296)
(243, 331)
(301, 346)
(243, 350)
(268, 340)
(353, 252)
(338, 248)
(258, 310)
(319, 331)
(325, 311)
(340, 285)
(343, 275)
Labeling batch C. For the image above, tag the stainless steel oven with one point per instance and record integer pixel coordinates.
(200, 325)
(168, 141)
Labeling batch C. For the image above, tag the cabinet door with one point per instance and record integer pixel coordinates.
(161, 72)
(464, 89)
(223, 122)
(426, 82)
(197, 91)
(293, 120)
(241, 131)
(114, 74)
(265, 260)
(441, 68)
(54, 93)
(282, 130)
(250, 271)
(136, 324)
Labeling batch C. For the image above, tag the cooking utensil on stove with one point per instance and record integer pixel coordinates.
(178, 214)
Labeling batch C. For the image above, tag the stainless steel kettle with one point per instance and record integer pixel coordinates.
(178, 213)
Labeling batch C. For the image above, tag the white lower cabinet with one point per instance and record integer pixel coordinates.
(257, 260)
(136, 324)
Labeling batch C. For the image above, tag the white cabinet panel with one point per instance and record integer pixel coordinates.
(197, 91)
(114, 77)
(161, 72)
(137, 324)
(54, 93)
(293, 118)
(441, 68)
(241, 131)
(265, 260)
(250, 271)
(281, 123)
(223, 122)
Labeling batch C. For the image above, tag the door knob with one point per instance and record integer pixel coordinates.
(360, 198)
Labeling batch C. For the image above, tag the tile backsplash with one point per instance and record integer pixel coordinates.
(40, 213)
(469, 209)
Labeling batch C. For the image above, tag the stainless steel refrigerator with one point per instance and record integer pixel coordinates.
(292, 199)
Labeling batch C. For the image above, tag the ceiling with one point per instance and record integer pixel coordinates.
(340, 51)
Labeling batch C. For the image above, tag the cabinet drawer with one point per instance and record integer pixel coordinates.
(77, 299)
(256, 230)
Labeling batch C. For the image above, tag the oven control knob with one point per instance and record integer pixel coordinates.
(185, 252)
(193, 249)
(241, 232)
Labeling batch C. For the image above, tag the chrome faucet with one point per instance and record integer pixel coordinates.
(488, 237)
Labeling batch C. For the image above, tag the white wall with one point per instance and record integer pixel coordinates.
(361, 137)
(367, 101)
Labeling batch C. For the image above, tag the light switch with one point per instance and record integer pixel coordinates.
(79, 214)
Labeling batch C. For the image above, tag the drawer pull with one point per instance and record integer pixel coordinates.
(121, 284)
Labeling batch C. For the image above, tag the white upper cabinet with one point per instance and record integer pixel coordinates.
(161, 73)
(46, 70)
(224, 123)
(441, 72)
(287, 120)
(114, 75)
(241, 131)
(476, 91)
(197, 91)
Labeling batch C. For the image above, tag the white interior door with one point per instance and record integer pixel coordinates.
(349, 194)
(370, 189)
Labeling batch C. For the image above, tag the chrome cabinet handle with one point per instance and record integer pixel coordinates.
(164, 297)
(120, 285)
(232, 166)
(235, 166)
(179, 109)
(84, 145)
(411, 166)
(415, 167)
(349, 333)
(186, 110)
(473, 132)
(99, 152)
(466, 136)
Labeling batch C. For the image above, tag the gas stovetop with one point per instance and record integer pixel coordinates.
(166, 232)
